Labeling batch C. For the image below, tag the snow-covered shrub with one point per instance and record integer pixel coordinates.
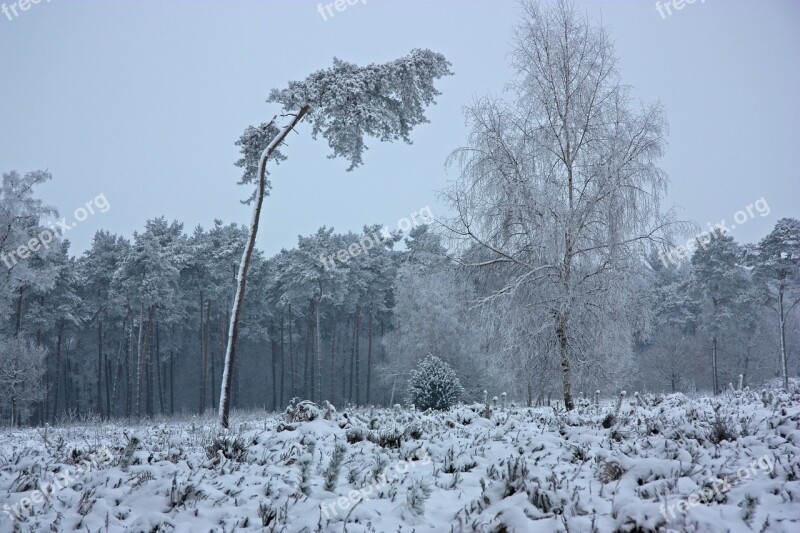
(722, 428)
(305, 474)
(609, 471)
(434, 385)
(127, 455)
(305, 411)
(416, 496)
(335, 467)
(355, 435)
(232, 449)
(390, 438)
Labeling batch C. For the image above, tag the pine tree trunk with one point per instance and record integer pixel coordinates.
(99, 399)
(319, 347)
(357, 358)
(291, 354)
(118, 373)
(351, 388)
(172, 383)
(129, 388)
(784, 358)
(714, 364)
(221, 333)
(59, 340)
(283, 369)
(140, 363)
(238, 302)
(203, 361)
(308, 367)
(18, 325)
(162, 372)
(109, 375)
(148, 360)
(369, 359)
(274, 349)
(333, 357)
(46, 384)
(344, 361)
(67, 383)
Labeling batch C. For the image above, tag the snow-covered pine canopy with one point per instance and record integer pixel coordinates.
(347, 102)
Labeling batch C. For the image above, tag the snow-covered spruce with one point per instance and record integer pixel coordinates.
(434, 385)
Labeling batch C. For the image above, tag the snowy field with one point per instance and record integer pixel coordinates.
(663, 463)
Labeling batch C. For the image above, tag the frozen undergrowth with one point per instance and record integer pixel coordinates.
(604, 467)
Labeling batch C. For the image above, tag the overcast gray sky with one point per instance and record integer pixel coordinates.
(143, 101)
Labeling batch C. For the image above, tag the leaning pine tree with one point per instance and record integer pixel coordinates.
(345, 103)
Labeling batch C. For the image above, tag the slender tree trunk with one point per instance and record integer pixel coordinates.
(784, 358)
(120, 364)
(140, 363)
(274, 349)
(47, 385)
(100, 368)
(221, 333)
(172, 382)
(162, 377)
(148, 360)
(319, 346)
(150, 378)
(238, 302)
(203, 358)
(291, 354)
(369, 358)
(308, 367)
(283, 369)
(129, 389)
(343, 351)
(714, 364)
(351, 377)
(355, 365)
(563, 342)
(109, 375)
(357, 340)
(68, 387)
(20, 297)
(333, 357)
(59, 340)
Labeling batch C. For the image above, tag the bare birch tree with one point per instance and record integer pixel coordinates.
(560, 187)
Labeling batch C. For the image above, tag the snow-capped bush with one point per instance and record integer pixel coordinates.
(307, 411)
(434, 385)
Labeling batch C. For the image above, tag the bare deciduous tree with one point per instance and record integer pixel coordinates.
(560, 188)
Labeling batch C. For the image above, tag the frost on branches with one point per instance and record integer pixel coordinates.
(384, 100)
(434, 385)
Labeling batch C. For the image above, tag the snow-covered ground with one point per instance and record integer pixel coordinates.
(663, 463)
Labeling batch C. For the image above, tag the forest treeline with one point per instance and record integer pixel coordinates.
(136, 327)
